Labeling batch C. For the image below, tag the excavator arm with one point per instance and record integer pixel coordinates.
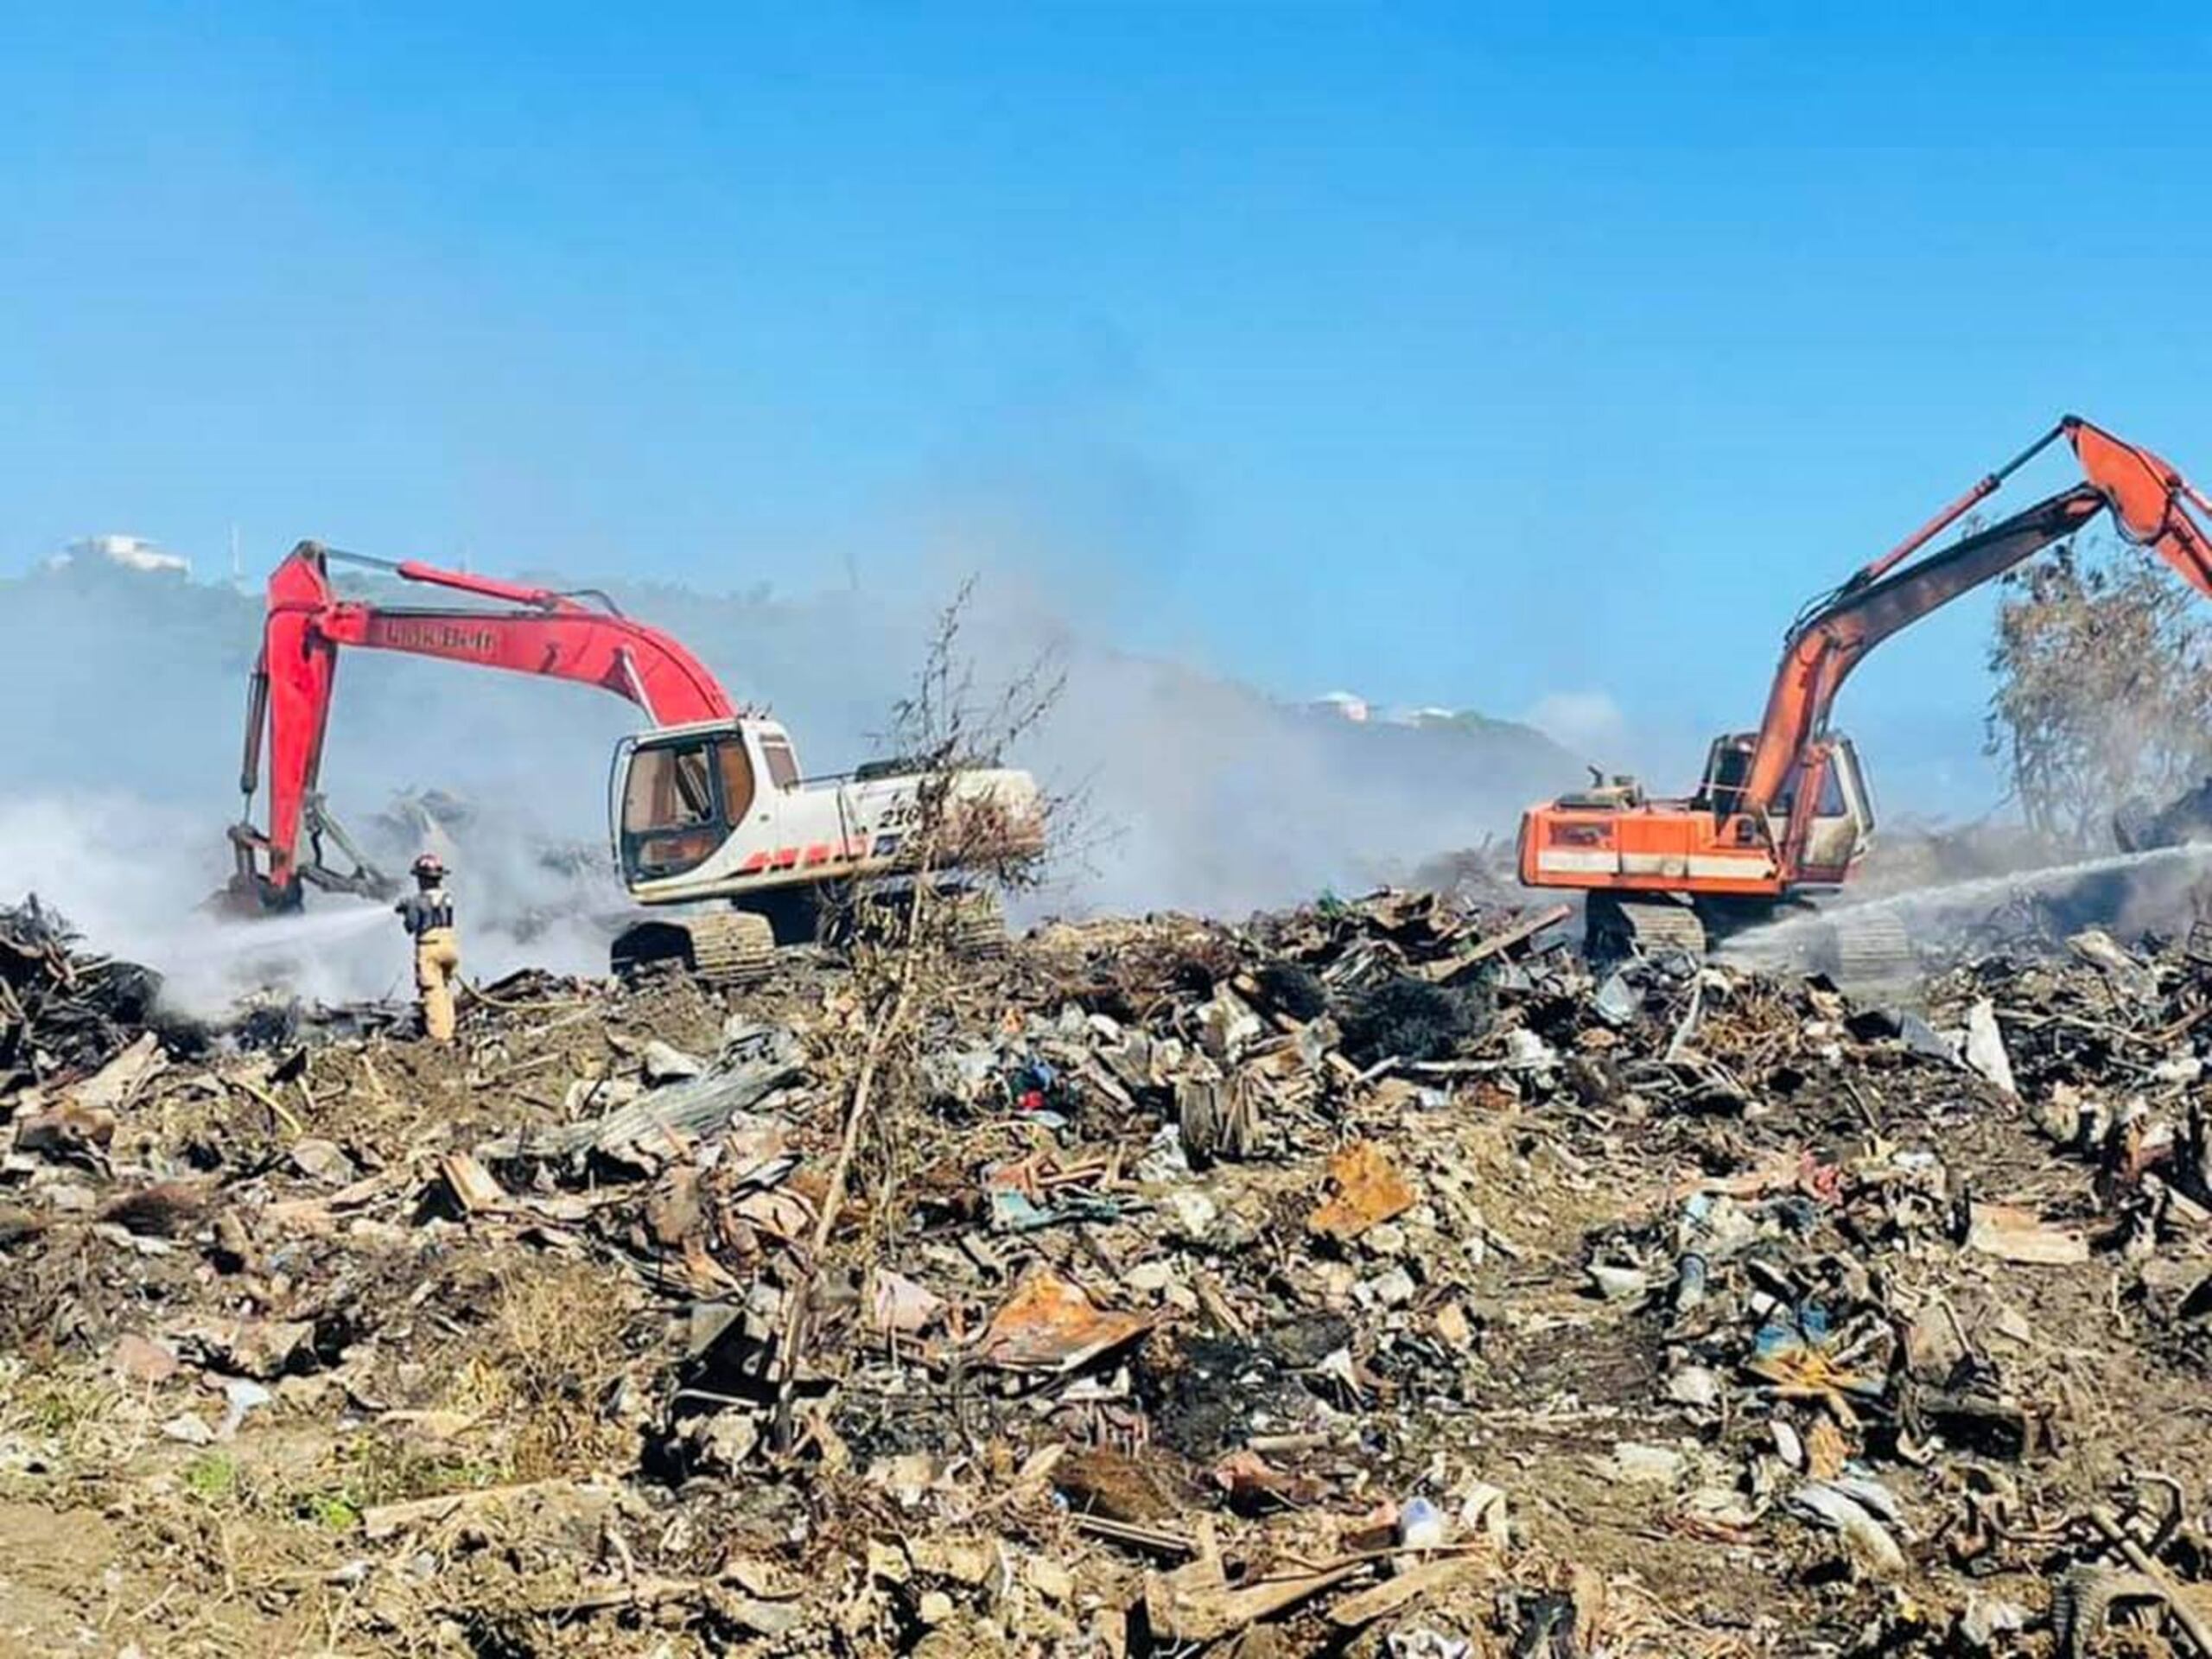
(2151, 504)
(1785, 808)
(288, 710)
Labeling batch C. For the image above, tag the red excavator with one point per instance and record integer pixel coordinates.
(1784, 812)
(708, 807)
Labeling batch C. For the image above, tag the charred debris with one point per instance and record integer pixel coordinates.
(1366, 1279)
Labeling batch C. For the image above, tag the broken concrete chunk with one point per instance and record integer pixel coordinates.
(970, 1561)
(727, 1441)
(188, 1430)
(907, 1477)
(1393, 1288)
(1149, 1278)
(1453, 1325)
(2095, 946)
(250, 1347)
(1987, 1618)
(1694, 1386)
(2062, 1113)
(1048, 1578)
(1227, 1026)
(323, 1160)
(1385, 1238)
(1529, 1051)
(1932, 1348)
(887, 1562)
(1615, 1283)
(760, 1617)
(1194, 1212)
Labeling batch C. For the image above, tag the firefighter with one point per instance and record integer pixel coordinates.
(428, 915)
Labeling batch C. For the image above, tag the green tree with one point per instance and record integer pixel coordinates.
(2103, 667)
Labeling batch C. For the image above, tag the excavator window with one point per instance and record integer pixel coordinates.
(737, 778)
(1727, 767)
(680, 801)
(783, 768)
(669, 788)
(1852, 776)
(1832, 805)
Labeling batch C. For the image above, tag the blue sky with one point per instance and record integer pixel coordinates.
(1453, 354)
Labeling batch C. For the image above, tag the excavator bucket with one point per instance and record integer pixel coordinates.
(2149, 499)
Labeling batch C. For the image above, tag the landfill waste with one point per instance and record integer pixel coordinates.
(1363, 1279)
(61, 1005)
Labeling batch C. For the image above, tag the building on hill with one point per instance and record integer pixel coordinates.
(122, 552)
(1345, 705)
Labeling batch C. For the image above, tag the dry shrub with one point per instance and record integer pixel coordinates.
(545, 1370)
(65, 1422)
(911, 937)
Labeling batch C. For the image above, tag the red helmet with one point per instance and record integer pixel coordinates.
(429, 868)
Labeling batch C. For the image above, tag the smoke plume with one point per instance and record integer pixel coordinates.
(1199, 793)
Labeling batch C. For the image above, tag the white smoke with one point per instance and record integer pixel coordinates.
(1588, 721)
(1200, 794)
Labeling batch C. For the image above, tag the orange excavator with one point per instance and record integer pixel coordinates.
(1784, 812)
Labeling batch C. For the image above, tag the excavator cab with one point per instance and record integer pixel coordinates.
(680, 796)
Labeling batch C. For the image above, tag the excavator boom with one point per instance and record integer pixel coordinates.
(287, 712)
(711, 817)
(2149, 501)
(1784, 807)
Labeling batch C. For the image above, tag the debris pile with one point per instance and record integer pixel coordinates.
(62, 1009)
(1366, 1279)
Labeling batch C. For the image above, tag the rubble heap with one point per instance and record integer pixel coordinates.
(62, 1007)
(1367, 1279)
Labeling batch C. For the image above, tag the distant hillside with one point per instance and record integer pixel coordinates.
(1211, 795)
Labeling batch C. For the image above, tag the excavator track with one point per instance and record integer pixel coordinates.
(731, 948)
(1616, 928)
(978, 923)
(1871, 950)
